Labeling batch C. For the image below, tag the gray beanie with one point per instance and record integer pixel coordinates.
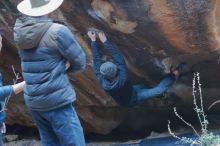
(108, 70)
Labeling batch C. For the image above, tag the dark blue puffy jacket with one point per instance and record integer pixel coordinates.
(44, 48)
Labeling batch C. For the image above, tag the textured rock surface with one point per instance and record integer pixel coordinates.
(151, 34)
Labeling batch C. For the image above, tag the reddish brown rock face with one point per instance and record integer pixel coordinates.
(150, 34)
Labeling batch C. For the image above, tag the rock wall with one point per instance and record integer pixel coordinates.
(151, 34)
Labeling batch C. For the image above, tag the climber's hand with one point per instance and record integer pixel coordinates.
(92, 35)
(102, 37)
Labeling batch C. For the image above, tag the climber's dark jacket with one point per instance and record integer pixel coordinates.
(120, 88)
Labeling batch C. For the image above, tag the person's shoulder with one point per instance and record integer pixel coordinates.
(50, 37)
(56, 27)
(55, 31)
(60, 30)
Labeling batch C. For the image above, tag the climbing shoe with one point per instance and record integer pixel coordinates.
(179, 68)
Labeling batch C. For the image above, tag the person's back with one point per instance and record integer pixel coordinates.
(120, 89)
(45, 48)
(43, 64)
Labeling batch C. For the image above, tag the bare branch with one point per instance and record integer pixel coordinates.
(15, 80)
(213, 104)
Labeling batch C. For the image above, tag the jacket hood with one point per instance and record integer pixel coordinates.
(28, 31)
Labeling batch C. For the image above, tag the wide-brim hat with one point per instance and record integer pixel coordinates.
(38, 7)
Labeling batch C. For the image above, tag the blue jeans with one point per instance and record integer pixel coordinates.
(59, 127)
(143, 93)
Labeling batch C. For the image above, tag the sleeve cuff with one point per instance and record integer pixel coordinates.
(93, 42)
(106, 42)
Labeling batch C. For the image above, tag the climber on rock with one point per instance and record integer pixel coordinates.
(6, 91)
(113, 75)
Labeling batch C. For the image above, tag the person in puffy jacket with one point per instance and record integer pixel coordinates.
(45, 47)
(6, 91)
(113, 75)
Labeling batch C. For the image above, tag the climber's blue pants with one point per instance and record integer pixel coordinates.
(59, 127)
(143, 93)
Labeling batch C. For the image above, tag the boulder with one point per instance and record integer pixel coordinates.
(152, 35)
